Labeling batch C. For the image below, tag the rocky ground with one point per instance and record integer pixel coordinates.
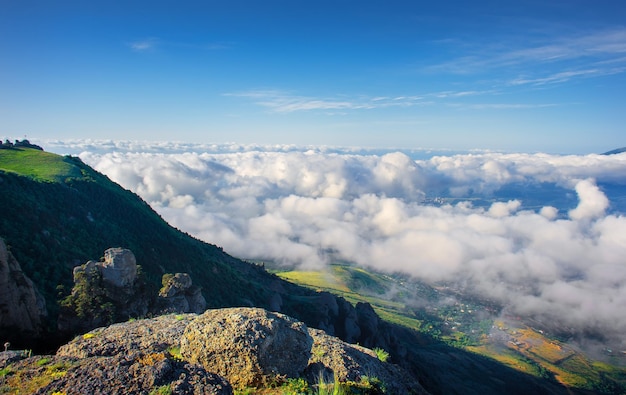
(217, 352)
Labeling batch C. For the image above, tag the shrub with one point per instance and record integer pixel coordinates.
(381, 354)
(43, 361)
(295, 387)
(162, 390)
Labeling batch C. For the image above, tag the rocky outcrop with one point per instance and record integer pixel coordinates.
(113, 290)
(180, 295)
(22, 308)
(119, 374)
(133, 358)
(335, 359)
(204, 354)
(248, 346)
(119, 267)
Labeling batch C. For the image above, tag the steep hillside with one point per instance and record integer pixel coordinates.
(56, 222)
(57, 213)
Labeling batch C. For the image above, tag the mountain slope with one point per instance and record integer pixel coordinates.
(615, 151)
(58, 213)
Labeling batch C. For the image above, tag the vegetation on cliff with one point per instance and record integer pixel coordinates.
(58, 213)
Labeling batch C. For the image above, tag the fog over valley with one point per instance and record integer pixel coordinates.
(543, 235)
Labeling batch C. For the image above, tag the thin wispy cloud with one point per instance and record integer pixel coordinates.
(143, 45)
(565, 76)
(503, 106)
(152, 43)
(583, 56)
(284, 102)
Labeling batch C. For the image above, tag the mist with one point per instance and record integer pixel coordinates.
(444, 218)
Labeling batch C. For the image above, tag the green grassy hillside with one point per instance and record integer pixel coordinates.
(38, 165)
(58, 213)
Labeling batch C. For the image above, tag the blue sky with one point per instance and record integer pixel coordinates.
(510, 75)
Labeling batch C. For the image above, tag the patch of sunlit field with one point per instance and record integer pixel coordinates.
(507, 357)
(36, 164)
(551, 351)
(315, 279)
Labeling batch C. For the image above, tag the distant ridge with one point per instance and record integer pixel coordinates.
(615, 151)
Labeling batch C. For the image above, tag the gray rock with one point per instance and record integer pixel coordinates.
(178, 284)
(22, 307)
(336, 359)
(179, 295)
(140, 374)
(129, 338)
(248, 346)
(119, 267)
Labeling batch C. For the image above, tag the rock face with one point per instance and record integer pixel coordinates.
(22, 307)
(118, 270)
(248, 346)
(119, 267)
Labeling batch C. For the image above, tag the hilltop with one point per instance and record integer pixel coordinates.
(58, 213)
(615, 151)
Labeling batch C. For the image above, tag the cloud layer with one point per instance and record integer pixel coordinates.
(437, 219)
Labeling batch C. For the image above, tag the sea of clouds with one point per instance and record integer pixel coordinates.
(435, 217)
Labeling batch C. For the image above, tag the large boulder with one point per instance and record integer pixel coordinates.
(119, 267)
(22, 307)
(248, 346)
(134, 357)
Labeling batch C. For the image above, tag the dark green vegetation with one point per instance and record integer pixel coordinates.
(466, 323)
(57, 213)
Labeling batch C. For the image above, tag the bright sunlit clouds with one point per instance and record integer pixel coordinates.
(442, 218)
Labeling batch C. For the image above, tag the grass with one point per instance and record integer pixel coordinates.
(38, 165)
(29, 380)
(319, 280)
(174, 352)
(381, 354)
(162, 390)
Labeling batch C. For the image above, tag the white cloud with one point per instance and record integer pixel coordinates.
(285, 102)
(308, 207)
(593, 202)
(143, 45)
(559, 58)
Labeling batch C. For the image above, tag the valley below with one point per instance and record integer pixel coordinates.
(445, 315)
